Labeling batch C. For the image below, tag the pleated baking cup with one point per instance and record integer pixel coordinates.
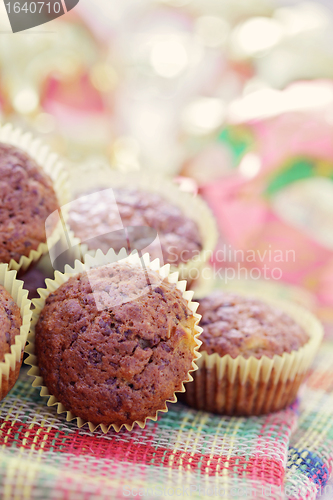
(10, 367)
(91, 262)
(193, 207)
(53, 167)
(240, 386)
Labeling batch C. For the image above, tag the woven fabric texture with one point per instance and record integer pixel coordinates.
(185, 454)
(188, 453)
(310, 459)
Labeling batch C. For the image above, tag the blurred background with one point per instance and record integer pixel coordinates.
(233, 98)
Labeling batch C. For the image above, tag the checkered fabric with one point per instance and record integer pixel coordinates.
(185, 454)
(310, 459)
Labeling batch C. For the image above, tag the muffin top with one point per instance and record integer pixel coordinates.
(97, 214)
(27, 198)
(115, 364)
(237, 325)
(10, 322)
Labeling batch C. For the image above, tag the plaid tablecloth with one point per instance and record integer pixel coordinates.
(185, 454)
(310, 456)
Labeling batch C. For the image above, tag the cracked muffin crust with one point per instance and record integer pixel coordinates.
(255, 354)
(112, 361)
(10, 322)
(27, 199)
(96, 214)
(238, 325)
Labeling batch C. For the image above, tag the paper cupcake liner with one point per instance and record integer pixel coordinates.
(10, 367)
(254, 386)
(193, 207)
(52, 166)
(94, 261)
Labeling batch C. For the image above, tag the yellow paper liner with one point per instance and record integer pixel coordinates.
(99, 259)
(194, 207)
(10, 367)
(255, 386)
(52, 166)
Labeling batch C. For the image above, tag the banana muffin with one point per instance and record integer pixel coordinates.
(98, 214)
(10, 322)
(115, 343)
(238, 325)
(27, 198)
(255, 354)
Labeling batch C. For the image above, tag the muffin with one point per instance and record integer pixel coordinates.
(245, 326)
(148, 212)
(27, 199)
(255, 354)
(96, 213)
(10, 322)
(15, 316)
(114, 344)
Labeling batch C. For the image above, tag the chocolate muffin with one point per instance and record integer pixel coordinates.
(27, 198)
(237, 325)
(254, 355)
(10, 322)
(114, 344)
(97, 214)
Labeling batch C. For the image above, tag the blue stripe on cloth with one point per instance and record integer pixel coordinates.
(310, 464)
